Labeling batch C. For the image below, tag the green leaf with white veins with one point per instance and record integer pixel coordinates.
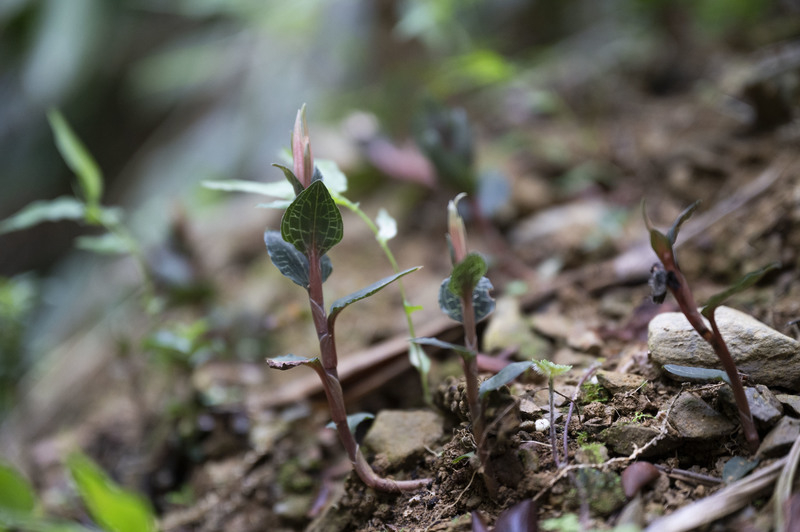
(482, 301)
(312, 221)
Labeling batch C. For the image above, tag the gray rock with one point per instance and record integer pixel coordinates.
(694, 419)
(791, 402)
(401, 435)
(766, 355)
(764, 406)
(780, 438)
(618, 382)
(624, 437)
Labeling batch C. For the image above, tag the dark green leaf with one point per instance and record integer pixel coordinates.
(744, 283)
(113, 508)
(672, 234)
(16, 493)
(353, 421)
(460, 349)
(77, 158)
(737, 467)
(63, 208)
(290, 361)
(658, 240)
(503, 377)
(342, 303)
(697, 374)
(312, 221)
(291, 178)
(291, 262)
(482, 301)
(466, 275)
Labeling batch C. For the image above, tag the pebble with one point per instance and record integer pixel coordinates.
(780, 438)
(764, 406)
(694, 419)
(618, 382)
(791, 402)
(765, 355)
(401, 435)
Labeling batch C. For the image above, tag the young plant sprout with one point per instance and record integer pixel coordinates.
(310, 227)
(551, 371)
(667, 276)
(465, 297)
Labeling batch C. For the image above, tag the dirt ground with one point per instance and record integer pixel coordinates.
(228, 445)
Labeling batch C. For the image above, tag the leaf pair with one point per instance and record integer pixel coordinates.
(467, 280)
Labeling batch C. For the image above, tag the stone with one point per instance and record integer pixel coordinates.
(780, 438)
(623, 438)
(403, 435)
(616, 382)
(765, 355)
(764, 406)
(791, 402)
(694, 419)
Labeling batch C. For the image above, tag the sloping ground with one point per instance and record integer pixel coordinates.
(230, 446)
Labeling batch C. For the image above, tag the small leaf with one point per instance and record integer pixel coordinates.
(737, 467)
(62, 208)
(105, 244)
(550, 369)
(466, 275)
(312, 221)
(291, 178)
(290, 262)
(387, 226)
(291, 361)
(744, 283)
(460, 349)
(111, 507)
(343, 302)
(672, 234)
(332, 176)
(482, 301)
(503, 377)
(697, 374)
(353, 421)
(658, 240)
(275, 189)
(16, 493)
(77, 158)
(418, 358)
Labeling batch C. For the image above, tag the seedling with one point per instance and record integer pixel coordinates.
(310, 227)
(668, 276)
(551, 371)
(465, 297)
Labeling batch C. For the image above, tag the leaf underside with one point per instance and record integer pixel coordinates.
(290, 262)
(482, 301)
(290, 361)
(503, 377)
(460, 349)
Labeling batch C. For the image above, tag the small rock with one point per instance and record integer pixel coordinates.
(528, 409)
(792, 402)
(618, 382)
(764, 406)
(765, 355)
(694, 419)
(595, 453)
(603, 490)
(585, 341)
(780, 438)
(623, 438)
(401, 435)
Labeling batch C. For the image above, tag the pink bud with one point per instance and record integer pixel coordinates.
(301, 149)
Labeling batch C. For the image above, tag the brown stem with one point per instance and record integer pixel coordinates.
(470, 364)
(329, 376)
(680, 290)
